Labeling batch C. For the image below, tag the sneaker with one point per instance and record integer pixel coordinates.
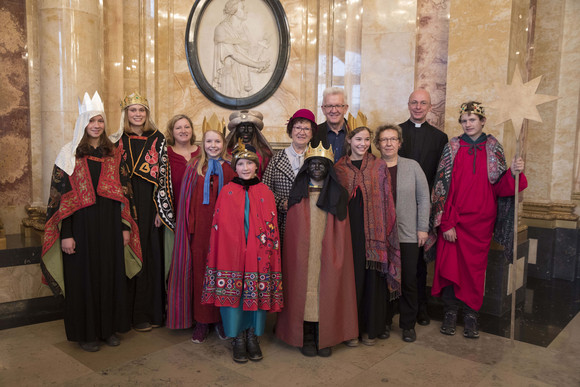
(409, 335)
(113, 341)
(89, 346)
(219, 329)
(470, 329)
(142, 327)
(200, 332)
(449, 323)
(367, 341)
(351, 343)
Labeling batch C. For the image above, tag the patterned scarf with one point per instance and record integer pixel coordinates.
(380, 228)
(496, 167)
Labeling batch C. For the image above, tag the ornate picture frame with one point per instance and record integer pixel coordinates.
(237, 50)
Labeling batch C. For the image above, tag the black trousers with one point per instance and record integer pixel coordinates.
(452, 303)
(422, 282)
(408, 305)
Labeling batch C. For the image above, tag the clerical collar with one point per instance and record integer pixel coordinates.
(416, 124)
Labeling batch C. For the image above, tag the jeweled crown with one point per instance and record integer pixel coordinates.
(134, 98)
(89, 104)
(319, 151)
(472, 107)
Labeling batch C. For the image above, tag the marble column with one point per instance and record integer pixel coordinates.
(387, 60)
(71, 55)
(478, 56)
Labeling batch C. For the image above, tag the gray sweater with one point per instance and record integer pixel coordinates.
(413, 202)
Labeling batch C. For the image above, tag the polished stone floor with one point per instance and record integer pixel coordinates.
(40, 355)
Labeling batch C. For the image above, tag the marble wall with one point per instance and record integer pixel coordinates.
(379, 51)
(15, 151)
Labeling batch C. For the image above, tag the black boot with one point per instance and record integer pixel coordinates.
(308, 344)
(253, 346)
(322, 352)
(239, 348)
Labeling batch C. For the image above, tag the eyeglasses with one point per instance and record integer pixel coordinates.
(417, 103)
(389, 139)
(330, 107)
(301, 128)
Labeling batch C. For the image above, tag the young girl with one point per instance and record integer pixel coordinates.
(377, 262)
(204, 177)
(90, 242)
(243, 275)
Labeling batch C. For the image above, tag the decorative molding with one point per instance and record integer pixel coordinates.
(35, 221)
(547, 214)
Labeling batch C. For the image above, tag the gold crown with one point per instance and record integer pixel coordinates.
(213, 124)
(241, 152)
(134, 98)
(475, 108)
(353, 123)
(319, 151)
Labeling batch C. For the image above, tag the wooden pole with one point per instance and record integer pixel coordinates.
(515, 252)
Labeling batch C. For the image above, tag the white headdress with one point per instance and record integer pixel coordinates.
(89, 108)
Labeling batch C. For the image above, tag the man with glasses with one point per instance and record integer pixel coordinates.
(423, 143)
(333, 130)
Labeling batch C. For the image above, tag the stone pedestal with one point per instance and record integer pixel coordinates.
(497, 299)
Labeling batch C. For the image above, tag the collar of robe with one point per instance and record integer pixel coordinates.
(473, 146)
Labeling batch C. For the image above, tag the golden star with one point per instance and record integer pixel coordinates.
(518, 101)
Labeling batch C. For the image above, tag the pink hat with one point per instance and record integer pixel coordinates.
(302, 113)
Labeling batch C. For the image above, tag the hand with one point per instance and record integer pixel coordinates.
(126, 237)
(157, 221)
(68, 245)
(285, 205)
(517, 165)
(450, 235)
(422, 238)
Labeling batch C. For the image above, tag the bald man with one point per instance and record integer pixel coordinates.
(423, 143)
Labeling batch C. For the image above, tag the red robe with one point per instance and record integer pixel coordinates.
(471, 207)
(192, 233)
(177, 163)
(239, 271)
(337, 295)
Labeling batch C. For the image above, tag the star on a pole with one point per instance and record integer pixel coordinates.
(518, 101)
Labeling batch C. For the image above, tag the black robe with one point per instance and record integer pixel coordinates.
(147, 289)
(424, 145)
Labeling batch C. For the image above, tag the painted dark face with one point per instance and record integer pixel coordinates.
(317, 169)
(245, 131)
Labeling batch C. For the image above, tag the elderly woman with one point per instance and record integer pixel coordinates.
(247, 125)
(284, 166)
(180, 149)
(411, 195)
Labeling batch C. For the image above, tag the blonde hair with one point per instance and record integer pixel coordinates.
(202, 158)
